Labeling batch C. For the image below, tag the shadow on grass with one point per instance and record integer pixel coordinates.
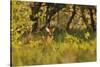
(84, 35)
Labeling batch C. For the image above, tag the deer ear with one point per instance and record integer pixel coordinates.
(47, 29)
(53, 29)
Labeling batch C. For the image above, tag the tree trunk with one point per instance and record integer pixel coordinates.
(92, 19)
(71, 18)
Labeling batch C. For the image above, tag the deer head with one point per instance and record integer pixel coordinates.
(50, 30)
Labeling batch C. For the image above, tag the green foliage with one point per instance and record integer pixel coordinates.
(20, 21)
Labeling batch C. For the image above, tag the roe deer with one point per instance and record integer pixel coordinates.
(26, 37)
(49, 35)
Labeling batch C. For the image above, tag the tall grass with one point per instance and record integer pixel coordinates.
(64, 48)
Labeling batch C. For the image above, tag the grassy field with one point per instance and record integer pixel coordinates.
(68, 49)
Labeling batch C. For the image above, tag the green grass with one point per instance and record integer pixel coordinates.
(64, 48)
